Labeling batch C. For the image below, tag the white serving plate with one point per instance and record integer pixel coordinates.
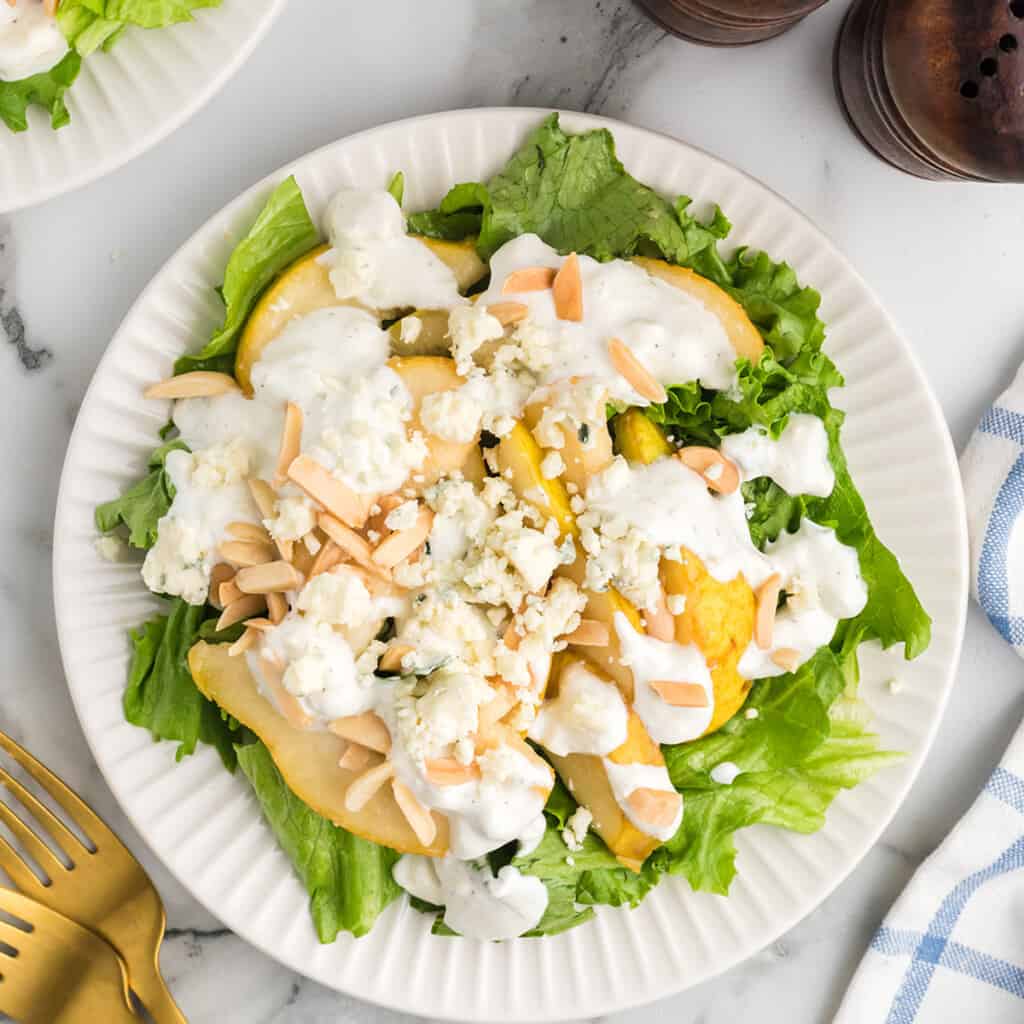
(206, 825)
(127, 100)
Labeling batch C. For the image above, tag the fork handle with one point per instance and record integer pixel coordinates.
(148, 984)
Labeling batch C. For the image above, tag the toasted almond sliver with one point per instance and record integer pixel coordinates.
(787, 658)
(277, 607)
(356, 547)
(446, 771)
(243, 643)
(635, 373)
(261, 625)
(720, 473)
(265, 579)
(240, 609)
(767, 597)
(355, 758)
(391, 659)
(660, 623)
(421, 821)
(508, 313)
(512, 638)
(364, 788)
(291, 441)
(680, 695)
(219, 574)
(286, 701)
(249, 531)
(529, 279)
(326, 559)
(339, 499)
(197, 384)
(247, 552)
(228, 592)
(311, 542)
(567, 290)
(402, 543)
(656, 807)
(264, 496)
(495, 709)
(589, 633)
(368, 729)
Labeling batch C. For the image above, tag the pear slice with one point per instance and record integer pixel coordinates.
(585, 450)
(421, 333)
(307, 759)
(638, 439)
(745, 337)
(519, 461)
(461, 258)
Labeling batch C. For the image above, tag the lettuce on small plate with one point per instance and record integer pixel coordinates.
(98, 107)
(811, 801)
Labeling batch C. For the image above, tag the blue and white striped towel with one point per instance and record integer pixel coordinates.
(952, 947)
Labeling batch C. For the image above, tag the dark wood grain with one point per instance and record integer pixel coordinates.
(729, 22)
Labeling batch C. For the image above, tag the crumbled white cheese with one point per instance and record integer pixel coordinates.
(404, 516)
(751, 713)
(451, 415)
(576, 828)
(676, 603)
(110, 548)
(552, 466)
(337, 598)
(294, 517)
(470, 327)
(436, 717)
(409, 329)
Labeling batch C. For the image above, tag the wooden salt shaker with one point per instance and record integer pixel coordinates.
(728, 22)
(936, 87)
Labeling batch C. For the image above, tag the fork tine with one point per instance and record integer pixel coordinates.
(79, 811)
(60, 832)
(46, 858)
(21, 874)
(14, 936)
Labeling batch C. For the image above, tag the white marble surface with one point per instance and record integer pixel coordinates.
(946, 260)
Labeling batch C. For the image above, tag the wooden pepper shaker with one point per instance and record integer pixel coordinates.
(936, 87)
(728, 22)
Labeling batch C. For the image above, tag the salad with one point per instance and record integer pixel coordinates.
(43, 44)
(509, 548)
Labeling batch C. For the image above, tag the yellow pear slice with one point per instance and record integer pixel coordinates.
(422, 333)
(427, 375)
(306, 759)
(745, 337)
(461, 258)
(519, 460)
(585, 451)
(638, 439)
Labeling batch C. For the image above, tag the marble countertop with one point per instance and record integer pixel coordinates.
(945, 259)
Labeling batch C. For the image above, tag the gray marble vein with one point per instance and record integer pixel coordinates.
(11, 323)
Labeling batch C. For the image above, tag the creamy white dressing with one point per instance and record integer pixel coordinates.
(822, 579)
(205, 422)
(373, 261)
(30, 41)
(797, 461)
(725, 773)
(529, 839)
(650, 661)
(588, 716)
(625, 778)
(478, 905)
(674, 336)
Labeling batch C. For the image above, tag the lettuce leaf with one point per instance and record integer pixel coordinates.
(281, 234)
(161, 695)
(141, 506)
(46, 90)
(90, 24)
(348, 878)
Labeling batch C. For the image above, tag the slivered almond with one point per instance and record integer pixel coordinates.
(655, 807)
(286, 702)
(364, 788)
(402, 543)
(49, 7)
(261, 625)
(512, 638)
(529, 279)
(291, 442)
(228, 592)
(368, 729)
(639, 378)
(197, 384)
(326, 559)
(567, 290)
(787, 658)
(508, 313)
(265, 498)
(249, 531)
(356, 547)
(355, 758)
(495, 709)
(272, 577)
(277, 607)
(767, 597)
(660, 623)
(680, 695)
(219, 574)
(720, 473)
(242, 608)
(391, 659)
(446, 771)
(338, 498)
(311, 542)
(421, 821)
(247, 552)
(589, 633)
(243, 643)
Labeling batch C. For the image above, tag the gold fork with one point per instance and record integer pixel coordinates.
(105, 889)
(59, 972)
